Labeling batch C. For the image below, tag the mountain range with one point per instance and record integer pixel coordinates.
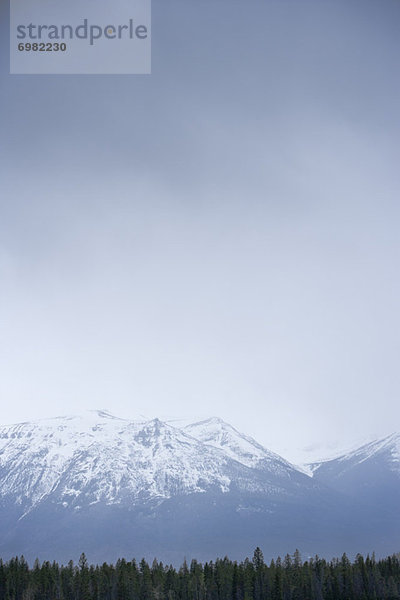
(111, 487)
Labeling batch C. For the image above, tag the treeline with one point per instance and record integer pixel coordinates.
(283, 579)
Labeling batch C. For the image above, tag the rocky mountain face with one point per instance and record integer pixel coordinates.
(112, 487)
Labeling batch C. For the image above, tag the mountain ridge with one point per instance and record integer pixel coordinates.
(112, 487)
(61, 454)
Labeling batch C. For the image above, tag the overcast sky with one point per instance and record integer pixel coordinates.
(218, 238)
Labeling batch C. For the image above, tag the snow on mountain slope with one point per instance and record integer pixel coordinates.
(114, 487)
(387, 448)
(96, 457)
(242, 448)
(102, 458)
(371, 472)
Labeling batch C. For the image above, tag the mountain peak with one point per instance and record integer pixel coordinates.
(238, 446)
(373, 466)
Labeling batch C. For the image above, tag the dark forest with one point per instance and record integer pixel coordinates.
(288, 578)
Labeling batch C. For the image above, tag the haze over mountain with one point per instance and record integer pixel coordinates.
(113, 487)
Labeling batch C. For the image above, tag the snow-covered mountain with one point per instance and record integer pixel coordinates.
(242, 448)
(100, 458)
(371, 472)
(113, 487)
(388, 447)
(97, 457)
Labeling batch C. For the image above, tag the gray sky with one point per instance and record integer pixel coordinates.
(218, 238)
